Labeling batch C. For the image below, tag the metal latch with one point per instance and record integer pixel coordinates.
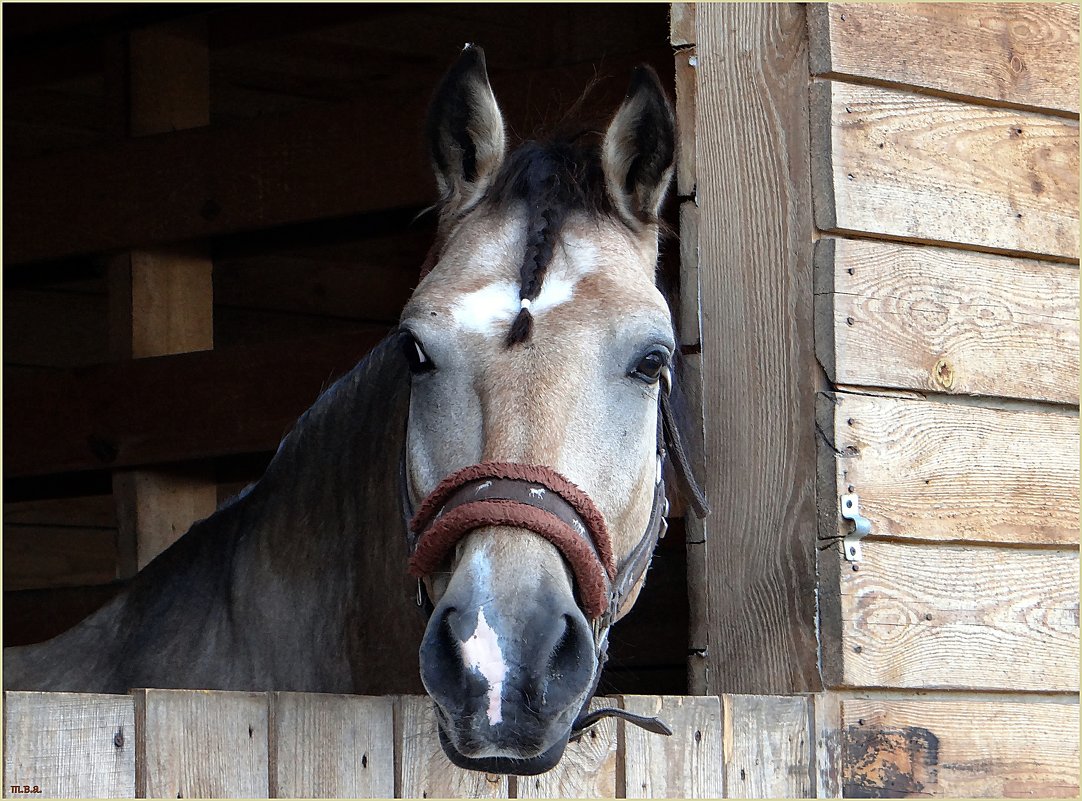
(862, 527)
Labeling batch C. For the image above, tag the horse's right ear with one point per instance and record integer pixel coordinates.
(466, 140)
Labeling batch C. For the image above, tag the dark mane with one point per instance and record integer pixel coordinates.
(551, 179)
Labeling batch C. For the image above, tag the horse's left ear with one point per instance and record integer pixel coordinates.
(466, 140)
(638, 149)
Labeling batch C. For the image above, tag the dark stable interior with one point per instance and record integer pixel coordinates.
(288, 283)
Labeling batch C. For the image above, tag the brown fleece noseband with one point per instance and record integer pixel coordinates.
(529, 497)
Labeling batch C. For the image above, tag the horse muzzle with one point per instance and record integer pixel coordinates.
(508, 673)
(511, 672)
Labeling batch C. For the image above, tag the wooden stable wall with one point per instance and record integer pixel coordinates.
(945, 188)
(210, 213)
(909, 173)
(185, 744)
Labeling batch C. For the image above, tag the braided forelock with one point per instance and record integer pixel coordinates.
(553, 179)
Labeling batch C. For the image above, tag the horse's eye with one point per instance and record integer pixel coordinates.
(418, 361)
(650, 367)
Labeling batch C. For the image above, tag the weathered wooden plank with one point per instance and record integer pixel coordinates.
(331, 746)
(370, 279)
(422, 769)
(682, 24)
(920, 167)
(58, 556)
(827, 731)
(686, 62)
(951, 472)
(54, 328)
(756, 298)
(1022, 53)
(169, 408)
(35, 615)
(69, 745)
(161, 301)
(169, 76)
(91, 511)
(587, 768)
(961, 749)
(201, 744)
(689, 321)
(211, 180)
(960, 322)
(768, 747)
(155, 508)
(686, 765)
(952, 617)
(59, 542)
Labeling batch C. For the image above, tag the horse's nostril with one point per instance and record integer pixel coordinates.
(441, 670)
(572, 648)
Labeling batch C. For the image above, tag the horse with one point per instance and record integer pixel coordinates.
(506, 443)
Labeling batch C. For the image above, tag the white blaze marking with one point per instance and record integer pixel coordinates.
(481, 652)
(491, 309)
(488, 308)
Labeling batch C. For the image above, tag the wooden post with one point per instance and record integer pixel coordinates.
(744, 159)
(161, 300)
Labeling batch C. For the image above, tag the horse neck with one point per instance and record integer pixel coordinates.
(332, 487)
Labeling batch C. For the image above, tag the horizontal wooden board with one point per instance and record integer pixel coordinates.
(207, 181)
(945, 320)
(202, 744)
(58, 556)
(36, 615)
(950, 472)
(60, 542)
(69, 745)
(915, 166)
(1022, 53)
(168, 408)
(91, 511)
(58, 329)
(951, 617)
(960, 749)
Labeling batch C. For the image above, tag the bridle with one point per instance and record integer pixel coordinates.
(539, 499)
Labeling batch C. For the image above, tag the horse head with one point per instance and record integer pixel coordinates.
(540, 349)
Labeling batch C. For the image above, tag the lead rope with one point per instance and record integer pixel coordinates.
(586, 720)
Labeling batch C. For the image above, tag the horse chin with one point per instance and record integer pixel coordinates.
(518, 766)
